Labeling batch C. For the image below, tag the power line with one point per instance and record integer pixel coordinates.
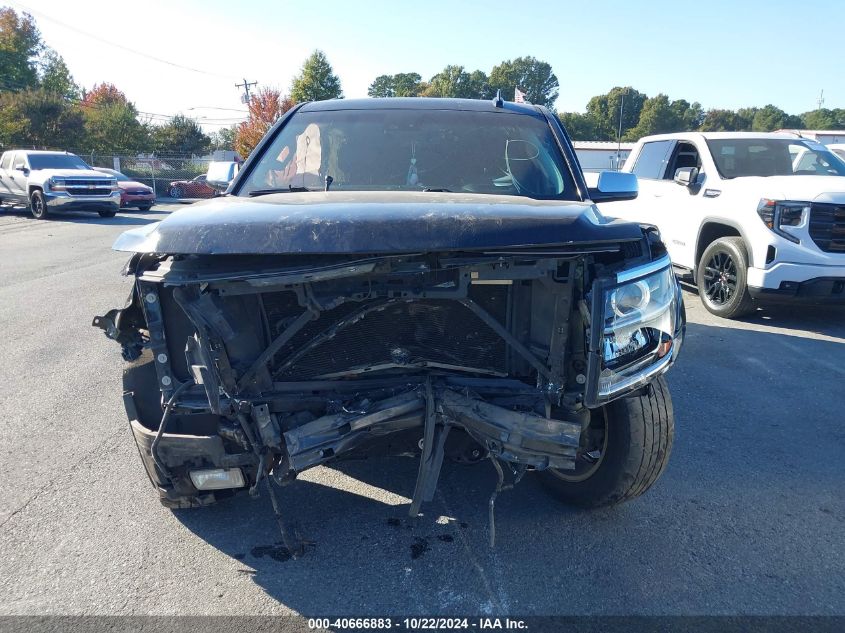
(116, 45)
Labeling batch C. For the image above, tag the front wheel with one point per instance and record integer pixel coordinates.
(37, 205)
(107, 214)
(627, 449)
(722, 278)
(177, 192)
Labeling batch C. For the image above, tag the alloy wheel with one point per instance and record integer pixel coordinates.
(720, 278)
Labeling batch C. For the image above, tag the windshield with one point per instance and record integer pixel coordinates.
(415, 150)
(56, 161)
(737, 158)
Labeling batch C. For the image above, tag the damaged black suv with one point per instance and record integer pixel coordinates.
(428, 267)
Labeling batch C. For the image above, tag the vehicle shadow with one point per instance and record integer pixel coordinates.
(828, 320)
(749, 494)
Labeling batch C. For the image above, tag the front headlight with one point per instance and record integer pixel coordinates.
(777, 214)
(57, 184)
(638, 323)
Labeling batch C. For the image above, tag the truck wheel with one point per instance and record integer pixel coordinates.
(722, 276)
(37, 205)
(629, 442)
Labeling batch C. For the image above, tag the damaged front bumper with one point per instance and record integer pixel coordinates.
(265, 375)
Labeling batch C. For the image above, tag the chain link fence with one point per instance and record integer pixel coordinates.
(169, 176)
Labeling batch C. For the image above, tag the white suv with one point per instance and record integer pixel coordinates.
(747, 216)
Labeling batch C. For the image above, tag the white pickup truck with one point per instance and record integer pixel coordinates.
(48, 181)
(746, 216)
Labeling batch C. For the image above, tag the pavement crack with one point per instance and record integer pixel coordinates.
(80, 462)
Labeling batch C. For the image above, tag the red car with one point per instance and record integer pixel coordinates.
(132, 193)
(196, 188)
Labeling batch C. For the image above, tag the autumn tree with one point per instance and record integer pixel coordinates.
(265, 108)
(111, 121)
(316, 81)
(532, 76)
(20, 45)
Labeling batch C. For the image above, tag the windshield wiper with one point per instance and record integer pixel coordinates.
(288, 189)
(436, 190)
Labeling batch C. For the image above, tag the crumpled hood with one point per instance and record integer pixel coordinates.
(372, 222)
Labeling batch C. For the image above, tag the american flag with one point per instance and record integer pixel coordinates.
(518, 96)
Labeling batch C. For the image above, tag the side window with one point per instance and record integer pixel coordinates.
(18, 163)
(6, 161)
(651, 162)
(685, 155)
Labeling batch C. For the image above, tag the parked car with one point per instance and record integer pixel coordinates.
(48, 182)
(194, 188)
(430, 267)
(747, 217)
(132, 192)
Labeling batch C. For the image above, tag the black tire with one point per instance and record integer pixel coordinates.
(38, 206)
(144, 207)
(637, 442)
(722, 278)
(176, 192)
(107, 214)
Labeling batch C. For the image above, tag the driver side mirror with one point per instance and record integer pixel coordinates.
(686, 176)
(24, 170)
(613, 186)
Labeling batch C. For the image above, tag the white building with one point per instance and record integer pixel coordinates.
(822, 136)
(601, 155)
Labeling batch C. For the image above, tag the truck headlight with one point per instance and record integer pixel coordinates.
(777, 214)
(638, 320)
(57, 184)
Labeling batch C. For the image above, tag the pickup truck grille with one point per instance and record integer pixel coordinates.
(88, 187)
(827, 227)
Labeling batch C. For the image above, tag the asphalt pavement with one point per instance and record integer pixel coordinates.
(749, 517)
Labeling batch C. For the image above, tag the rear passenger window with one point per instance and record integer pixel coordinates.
(651, 163)
(6, 161)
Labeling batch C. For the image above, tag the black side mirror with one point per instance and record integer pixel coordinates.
(686, 176)
(24, 170)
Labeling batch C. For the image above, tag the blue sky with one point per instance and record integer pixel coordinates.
(720, 53)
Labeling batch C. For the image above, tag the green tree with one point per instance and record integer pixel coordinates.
(224, 138)
(771, 118)
(581, 127)
(657, 117)
(723, 121)
(455, 82)
(688, 115)
(532, 76)
(180, 135)
(398, 85)
(824, 119)
(56, 77)
(111, 121)
(20, 45)
(604, 111)
(38, 118)
(316, 81)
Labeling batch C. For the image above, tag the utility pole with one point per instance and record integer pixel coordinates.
(619, 131)
(820, 100)
(245, 85)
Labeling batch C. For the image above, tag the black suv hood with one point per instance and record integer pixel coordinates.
(373, 222)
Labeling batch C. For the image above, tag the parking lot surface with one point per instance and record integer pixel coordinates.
(749, 517)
